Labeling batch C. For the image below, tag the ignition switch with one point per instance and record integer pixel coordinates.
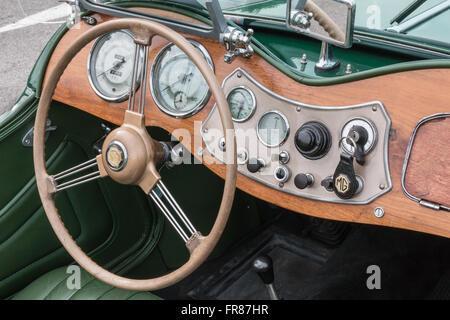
(345, 182)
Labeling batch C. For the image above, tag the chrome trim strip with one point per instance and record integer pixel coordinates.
(408, 154)
(414, 21)
(303, 105)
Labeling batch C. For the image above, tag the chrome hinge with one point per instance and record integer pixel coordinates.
(27, 140)
(236, 43)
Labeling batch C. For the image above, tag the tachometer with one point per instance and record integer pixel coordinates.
(242, 103)
(177, 86)
(273, 128)
(110, 65)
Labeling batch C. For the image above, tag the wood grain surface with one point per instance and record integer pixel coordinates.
(428, 174)
(407, 96)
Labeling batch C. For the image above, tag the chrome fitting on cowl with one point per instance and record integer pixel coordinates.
(237, 43)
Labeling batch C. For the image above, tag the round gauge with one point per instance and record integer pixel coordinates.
(110, 65)
(273, 129)
(242, 103)
(177, 85)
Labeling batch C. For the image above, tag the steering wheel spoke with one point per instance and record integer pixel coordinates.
(142, 44)
(65, 180)
(167, 204)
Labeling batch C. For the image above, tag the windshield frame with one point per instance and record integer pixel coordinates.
(401, 43)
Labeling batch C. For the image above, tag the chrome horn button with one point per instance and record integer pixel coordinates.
(116, 156)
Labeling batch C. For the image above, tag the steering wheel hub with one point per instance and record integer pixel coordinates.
(116, 156)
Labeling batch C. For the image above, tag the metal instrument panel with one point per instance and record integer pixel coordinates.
(374, 174)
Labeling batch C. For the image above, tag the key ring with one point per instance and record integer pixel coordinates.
(352, 142)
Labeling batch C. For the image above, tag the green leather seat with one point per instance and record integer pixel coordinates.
(53, 286)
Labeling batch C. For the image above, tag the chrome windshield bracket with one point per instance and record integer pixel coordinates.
(75, 12)
(236, 43)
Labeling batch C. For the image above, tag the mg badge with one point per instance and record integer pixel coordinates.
(342, 184)
(116, 156)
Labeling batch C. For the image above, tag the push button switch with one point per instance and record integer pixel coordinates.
(303, 180)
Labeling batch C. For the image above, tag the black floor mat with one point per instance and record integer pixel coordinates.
(411, 265)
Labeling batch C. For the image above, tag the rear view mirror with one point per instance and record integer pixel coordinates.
(331, 21)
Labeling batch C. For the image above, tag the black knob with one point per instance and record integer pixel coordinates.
(328, 184)
(303, 180)
(313, 140)
(263, 266)
(254, 165)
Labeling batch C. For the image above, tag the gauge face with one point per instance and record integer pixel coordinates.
(110, 65)
(177, 85)
(273, 129)
(242, 103)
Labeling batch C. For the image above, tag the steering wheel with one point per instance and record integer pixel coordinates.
(130, 156)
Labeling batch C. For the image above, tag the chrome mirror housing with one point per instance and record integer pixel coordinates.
(331, 21)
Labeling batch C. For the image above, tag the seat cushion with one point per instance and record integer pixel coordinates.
(53, 286)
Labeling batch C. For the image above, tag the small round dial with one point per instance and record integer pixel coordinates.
(273, 129)
(176, 83)
(242, 103)
(110, 65)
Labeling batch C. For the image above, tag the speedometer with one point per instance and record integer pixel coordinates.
(110, 65)
(177, 85)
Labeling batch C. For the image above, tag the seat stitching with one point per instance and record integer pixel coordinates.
(53, 289)
(134, 294)
(104, 293)
(76, 291)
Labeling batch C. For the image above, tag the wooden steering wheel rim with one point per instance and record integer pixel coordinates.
(143, 30)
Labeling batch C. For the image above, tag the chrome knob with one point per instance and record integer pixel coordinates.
(282, 174)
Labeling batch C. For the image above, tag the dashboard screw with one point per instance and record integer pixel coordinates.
(298, 109)
(374, 108)
(239, 74)
(378, 212)
(382, 186)
(281, 184)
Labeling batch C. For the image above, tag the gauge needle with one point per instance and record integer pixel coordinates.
(241, 106)
(183, 79)
(116, 64)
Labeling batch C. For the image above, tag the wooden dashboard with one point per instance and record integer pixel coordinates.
(407, 96)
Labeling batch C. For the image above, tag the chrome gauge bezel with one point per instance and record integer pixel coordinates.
(152, 82)
(90, 69)
(253, 102)
(288, 129)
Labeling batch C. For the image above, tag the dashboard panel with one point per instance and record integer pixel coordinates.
(298, 167)
(405, 98)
